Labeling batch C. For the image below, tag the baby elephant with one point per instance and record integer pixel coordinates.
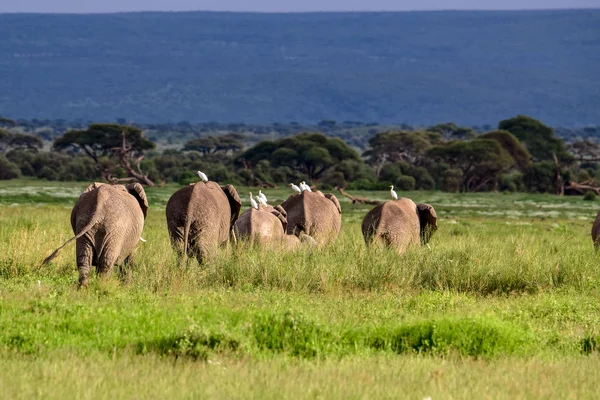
(266, 226)
(107, 221)
(399, 224)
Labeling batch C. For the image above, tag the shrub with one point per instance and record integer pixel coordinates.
(589, 196)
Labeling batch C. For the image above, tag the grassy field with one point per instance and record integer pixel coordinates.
(503, 303)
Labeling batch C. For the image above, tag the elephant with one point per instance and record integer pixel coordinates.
(107, 221)
(267, 226)
(596, 231)
(200, 217)
(399, 224)
(315, 214)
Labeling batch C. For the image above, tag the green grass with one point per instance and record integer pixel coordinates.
(502, 305)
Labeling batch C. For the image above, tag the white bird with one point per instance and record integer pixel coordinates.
(295, 188)
(393, 193)
(262, 198)
(253, 202)
(202, 176)
(304, 186)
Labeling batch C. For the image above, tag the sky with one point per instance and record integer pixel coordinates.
(100, 6)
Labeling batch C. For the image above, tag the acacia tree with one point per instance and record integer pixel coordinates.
(224, 144)
(451, 131)
(110, 146)
(10, 140)
(391, 147)
(307, 154)
(481, 161)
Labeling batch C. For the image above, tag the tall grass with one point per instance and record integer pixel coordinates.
(506, 294)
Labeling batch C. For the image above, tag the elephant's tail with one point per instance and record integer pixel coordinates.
(186, 235)
(80, 234)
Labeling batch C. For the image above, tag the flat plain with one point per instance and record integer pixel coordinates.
(503, 303)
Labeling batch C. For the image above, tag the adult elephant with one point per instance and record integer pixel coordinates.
(267, 226)
(200, 218)
(315, 214)
(107, 221)
(399, 224)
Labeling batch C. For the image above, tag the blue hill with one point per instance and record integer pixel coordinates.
(418, 67)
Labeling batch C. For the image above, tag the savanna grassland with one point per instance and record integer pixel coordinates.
(503, 303)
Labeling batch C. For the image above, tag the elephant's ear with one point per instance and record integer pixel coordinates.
(137, 191)
(280, 213)
(427, 220)
(335, 201)
(234, 202)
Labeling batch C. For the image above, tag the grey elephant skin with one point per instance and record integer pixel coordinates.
(399, 224)
(315, 214)
(200, 218)
(266, 226)
(107, 221)
(596, 232)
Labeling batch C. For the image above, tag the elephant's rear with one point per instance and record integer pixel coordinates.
(392, 224)
(199, 218)
(314, 214)
(596, 231)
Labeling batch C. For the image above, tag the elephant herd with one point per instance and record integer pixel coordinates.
(108, 220)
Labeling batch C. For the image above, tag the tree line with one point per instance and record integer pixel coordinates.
(520, 154)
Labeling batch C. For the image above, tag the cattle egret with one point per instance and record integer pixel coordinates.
(262, 198)
(393, 193)
(304, 186)
(253, 202)
(262, 201)
(202, 176)
(295, 188)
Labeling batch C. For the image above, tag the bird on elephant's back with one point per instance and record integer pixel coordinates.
(200, 218)
(399, 224)
(107, 221)
(315, 214)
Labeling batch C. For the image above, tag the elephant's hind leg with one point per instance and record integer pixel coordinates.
(85, 255)
(108, 258)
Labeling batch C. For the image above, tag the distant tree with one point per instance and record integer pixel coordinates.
(481, 161)
(31, 142)
(111, 146)
(585, 150)
(451, 131)
(9, 140)
(389, 147)
(309, 154)
(512, 145)
(538, 138)
(229, 143)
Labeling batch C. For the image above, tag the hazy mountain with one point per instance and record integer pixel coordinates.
(419, 67)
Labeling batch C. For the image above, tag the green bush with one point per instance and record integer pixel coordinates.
(589, 196)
